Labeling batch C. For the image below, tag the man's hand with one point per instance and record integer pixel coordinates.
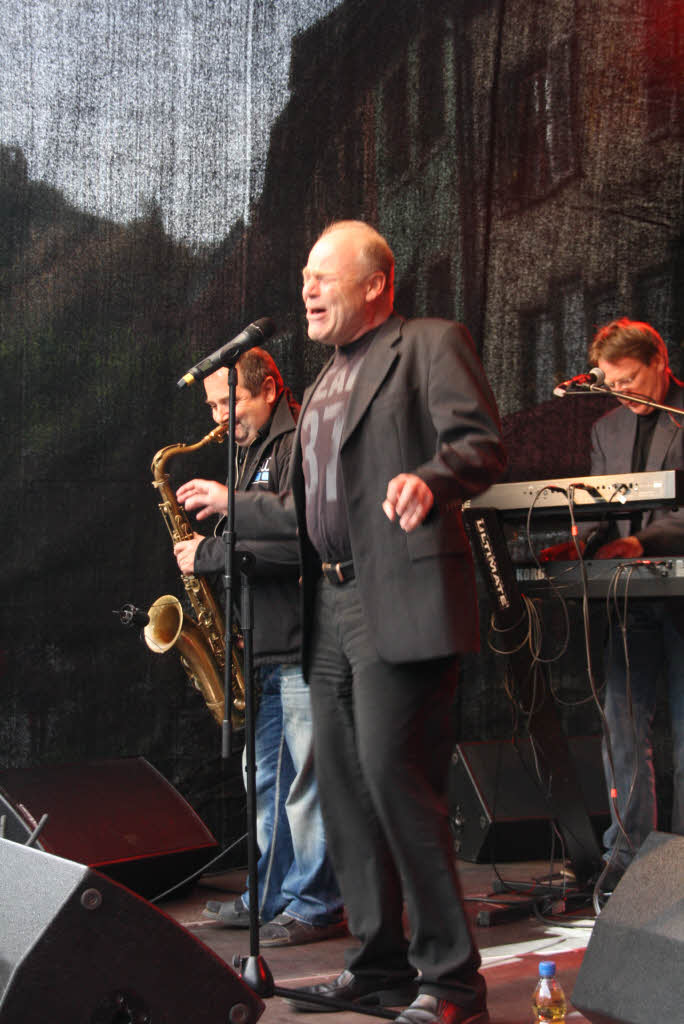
(410, 499)
(204, 497)
(623, 547)
(184, 551)
(565, 552)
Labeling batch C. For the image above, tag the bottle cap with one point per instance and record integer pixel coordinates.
(547, 968)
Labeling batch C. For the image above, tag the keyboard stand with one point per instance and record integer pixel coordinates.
(566, 804)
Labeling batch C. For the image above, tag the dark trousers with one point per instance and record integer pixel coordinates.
(382, 742)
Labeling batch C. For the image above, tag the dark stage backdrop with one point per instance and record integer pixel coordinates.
(164, 169)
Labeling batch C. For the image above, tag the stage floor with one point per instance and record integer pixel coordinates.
(510, 950)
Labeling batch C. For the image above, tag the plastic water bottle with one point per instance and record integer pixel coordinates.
(548, 1001)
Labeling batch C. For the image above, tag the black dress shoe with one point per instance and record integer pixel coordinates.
(430, 1010)
(352, 988)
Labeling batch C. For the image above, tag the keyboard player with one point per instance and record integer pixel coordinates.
(637, 437)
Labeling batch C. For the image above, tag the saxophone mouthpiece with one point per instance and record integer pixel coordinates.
(132, 616)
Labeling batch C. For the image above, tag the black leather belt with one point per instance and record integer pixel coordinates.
(338, 572)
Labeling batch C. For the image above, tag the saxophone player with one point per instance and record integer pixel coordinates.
(299, 900)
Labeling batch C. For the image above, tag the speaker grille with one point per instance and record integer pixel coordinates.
(78, 947)
(633, 969)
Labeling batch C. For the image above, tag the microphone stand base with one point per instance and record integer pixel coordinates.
(312, 1001)
(256, 973)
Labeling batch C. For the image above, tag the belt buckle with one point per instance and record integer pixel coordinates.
(336, 567)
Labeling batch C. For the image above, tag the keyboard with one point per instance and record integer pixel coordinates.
(619, 493)
(635, 577)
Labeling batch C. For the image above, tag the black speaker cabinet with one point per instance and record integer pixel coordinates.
(119, 816)
(77, 947)
(497, 807)
(633, 969)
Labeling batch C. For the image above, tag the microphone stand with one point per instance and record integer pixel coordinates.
(254, 971)
(629, 396)
(228, 551)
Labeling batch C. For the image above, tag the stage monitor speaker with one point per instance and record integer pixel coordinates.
(79, 948)
(121, 817)
(633, 969)
(497, 808)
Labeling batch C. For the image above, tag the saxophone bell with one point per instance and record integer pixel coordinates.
(164, 625)
(168, 628)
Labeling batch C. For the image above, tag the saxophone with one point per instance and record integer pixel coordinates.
(200, 642)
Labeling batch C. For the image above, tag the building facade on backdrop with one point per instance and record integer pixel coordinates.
(526, 170)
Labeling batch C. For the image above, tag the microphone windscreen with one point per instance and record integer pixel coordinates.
(265, 325)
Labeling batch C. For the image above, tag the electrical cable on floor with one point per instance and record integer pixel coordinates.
(200, 871)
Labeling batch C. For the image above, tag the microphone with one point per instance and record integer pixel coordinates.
(595, 376)
(132, 616)
(229, 354)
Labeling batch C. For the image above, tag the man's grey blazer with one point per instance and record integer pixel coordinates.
(612, 443)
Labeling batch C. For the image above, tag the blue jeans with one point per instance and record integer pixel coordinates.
(294, 873)
(654, 646)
